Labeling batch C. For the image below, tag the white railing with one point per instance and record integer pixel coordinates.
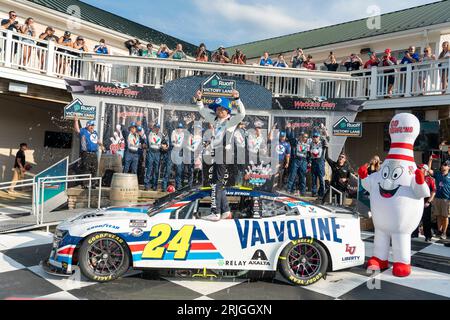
(24, 52)
(157, 72)
(425, 78)
(20, 51)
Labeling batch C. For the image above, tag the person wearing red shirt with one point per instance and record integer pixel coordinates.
(372, 62)
(427, 208)
(389, 60)
(309, 64)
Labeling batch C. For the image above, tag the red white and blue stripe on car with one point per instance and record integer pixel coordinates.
(201, 247)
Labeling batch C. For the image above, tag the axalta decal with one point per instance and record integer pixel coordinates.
(252, 233)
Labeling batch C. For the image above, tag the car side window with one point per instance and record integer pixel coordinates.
(272, 208)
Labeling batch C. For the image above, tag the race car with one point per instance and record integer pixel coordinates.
(269, 232)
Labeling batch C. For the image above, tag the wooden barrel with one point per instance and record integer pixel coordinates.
(124, 189)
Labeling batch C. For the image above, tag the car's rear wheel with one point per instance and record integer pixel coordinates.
(303, 262)
(104, 257)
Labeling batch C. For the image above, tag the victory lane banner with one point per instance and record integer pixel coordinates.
(217, 87)
(78, 109)
(345, 128)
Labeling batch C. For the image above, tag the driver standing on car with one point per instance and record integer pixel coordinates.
(224, 125)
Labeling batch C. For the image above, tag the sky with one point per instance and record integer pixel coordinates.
(233, 22)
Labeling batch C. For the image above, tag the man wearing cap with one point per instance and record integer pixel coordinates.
(256, 144)
(301, 157)
(142, 153)
(389, 60)
(177, 140)
(133, 144)
(88, 148)
(284, 155)
(441, 206)
(153, 158)
(317, 150)
(223, 124)
(427, 208)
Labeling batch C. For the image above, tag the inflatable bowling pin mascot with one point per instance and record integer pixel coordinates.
(397, 193)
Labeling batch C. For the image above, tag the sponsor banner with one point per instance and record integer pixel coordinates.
(217, 87)
(115, 90)
(317, 104)
(77, 108)
(345, 128)
(118, 118)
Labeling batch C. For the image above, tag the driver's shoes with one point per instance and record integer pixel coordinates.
(212, 217)
(227, 216)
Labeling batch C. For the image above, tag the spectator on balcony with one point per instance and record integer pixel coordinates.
(309, 64)
(134, 47)
(239, 57)
(281, 63)
(48, 35)
(163, 52)
(11, 23)
(389, 60)
(148, 51)
(62, 60)
(445, 54)
(101, 47)
(298, 59)
(28, 29)
(265, 60)
(372, 62)
(178, 53)
(80, 44)
(221, 56)
(353, 62)
(201, 54)
(331, 63)
(424, 75)
(411, 56)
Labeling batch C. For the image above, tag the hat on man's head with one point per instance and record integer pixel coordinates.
(180, 126)
(387, 50)
(133, 124)
(158, 126)
(316, 134)
(221, 102)
(90, 123)
(424, 166)
(283, 134)
(446, 163)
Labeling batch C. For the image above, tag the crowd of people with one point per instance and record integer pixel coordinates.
(299, 59)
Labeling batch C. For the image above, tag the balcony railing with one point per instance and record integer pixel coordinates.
(22, 52)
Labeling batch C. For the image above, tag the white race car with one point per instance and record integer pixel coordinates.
(270, 232)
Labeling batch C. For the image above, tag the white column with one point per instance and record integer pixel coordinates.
(373, 84)
(8, 49)
(50, 58)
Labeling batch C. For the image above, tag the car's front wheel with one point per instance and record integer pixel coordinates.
(303, 262)
(104, 257)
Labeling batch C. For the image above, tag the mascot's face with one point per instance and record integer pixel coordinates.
(394, 175)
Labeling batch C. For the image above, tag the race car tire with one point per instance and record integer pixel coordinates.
(104, 257)
(303, 262)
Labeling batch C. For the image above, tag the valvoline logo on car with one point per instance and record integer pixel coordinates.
(252, 233)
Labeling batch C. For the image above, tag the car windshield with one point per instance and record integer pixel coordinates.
(170, 198)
